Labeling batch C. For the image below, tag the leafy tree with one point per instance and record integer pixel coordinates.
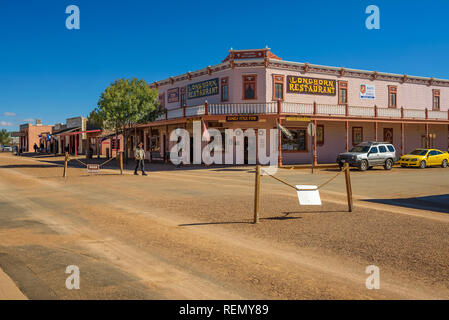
(5, 137)
(124, 104)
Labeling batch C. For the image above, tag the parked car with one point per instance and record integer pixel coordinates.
(425, 158)
(6, 149)
(369, 154)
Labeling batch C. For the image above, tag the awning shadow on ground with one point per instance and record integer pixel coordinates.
(438, 203)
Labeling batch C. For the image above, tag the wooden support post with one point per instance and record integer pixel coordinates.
(427, 135)
(257, 195)
(402, 139)
(347, 135)
(348, 187)
(66, 159)
(121, 162)
(315, 158)
(376, 126)
(279, 144)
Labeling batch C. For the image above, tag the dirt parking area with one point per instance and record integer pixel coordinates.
(187, 233)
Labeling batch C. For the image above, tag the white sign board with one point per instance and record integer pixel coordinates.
(308, 195)
(367, 91)
(93, 168)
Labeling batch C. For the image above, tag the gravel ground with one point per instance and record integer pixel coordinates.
(187, 233)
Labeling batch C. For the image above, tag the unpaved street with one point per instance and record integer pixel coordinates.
(187, 234)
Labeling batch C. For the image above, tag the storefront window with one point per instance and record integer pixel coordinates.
(342, 92)
(357, 135)
(225, 89)
(436, 100)
(392, 96)
(278, 87)
(320, 134)
(297, 143)
(249, 87)
(388, 135)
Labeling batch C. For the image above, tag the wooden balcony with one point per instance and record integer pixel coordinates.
(312, 110)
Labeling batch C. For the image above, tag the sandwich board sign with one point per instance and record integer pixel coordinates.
(93, 168)
(308, 195)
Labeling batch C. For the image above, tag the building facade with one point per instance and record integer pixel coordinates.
(31, 134)
(257, 89)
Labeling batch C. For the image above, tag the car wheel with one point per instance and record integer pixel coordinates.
(363, 165)
(422, 164)
(444, 163)
(388, 164)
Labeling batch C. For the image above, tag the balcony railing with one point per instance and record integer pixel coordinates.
(243, 108)
(304, 109)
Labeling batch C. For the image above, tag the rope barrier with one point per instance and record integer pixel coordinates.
(80, 162)
(294, 187)
(85, 164)
(107, 161)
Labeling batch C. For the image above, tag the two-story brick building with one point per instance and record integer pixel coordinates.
(347, 106)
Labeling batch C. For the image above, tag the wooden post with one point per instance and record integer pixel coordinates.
(121, 162)
(348, 187)
(66, 158)
(279, 145)
(347, 135)
(376, 125)
(315, 158)
(257, 195)
(402, 138)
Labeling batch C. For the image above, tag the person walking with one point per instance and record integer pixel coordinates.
(35, 148)
(139, 155)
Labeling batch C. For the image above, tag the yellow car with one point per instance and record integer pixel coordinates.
(424, 158)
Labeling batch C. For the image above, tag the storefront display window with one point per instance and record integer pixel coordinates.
(297, 143)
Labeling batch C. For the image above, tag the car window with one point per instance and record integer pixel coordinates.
(373, 150)
(432, 153)
(362, 149)
(419, 152)
(390, 148)
(438, 152)
(382, 149)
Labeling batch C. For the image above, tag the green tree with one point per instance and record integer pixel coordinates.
(124, 104)
(5, 137)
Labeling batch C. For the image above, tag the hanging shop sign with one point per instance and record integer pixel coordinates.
(367, 91)
(305, 85)
(242, 118)
(202, 89)
(297, 119)
(173, 95)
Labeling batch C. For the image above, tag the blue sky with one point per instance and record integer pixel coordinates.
(52, 73)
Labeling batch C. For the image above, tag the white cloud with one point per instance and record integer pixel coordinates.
(5, 124)
(9, 114)
(28, 120)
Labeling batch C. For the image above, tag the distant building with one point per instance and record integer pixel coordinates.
(31, 134)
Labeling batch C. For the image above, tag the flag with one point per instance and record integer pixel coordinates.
(285, 131)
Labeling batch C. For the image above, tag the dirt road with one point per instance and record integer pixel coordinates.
(186, 234)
